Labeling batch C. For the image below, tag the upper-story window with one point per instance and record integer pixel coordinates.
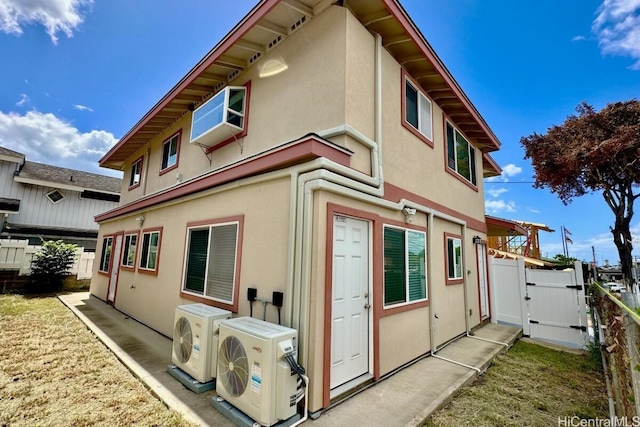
(136, 173)
(221, 117)
(417, 111)
(54, 196)
(461, 156)
(170, 153)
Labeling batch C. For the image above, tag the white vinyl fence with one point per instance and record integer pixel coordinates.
(546, 304)
(17, 255)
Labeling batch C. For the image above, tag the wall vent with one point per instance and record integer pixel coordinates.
(298, 23)
(232, 75)
(255, 57)
(275, 42)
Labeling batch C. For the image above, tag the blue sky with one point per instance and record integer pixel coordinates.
(78, 74)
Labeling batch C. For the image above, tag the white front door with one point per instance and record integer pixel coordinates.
(115, 268)
(483, 282)
(350, 300)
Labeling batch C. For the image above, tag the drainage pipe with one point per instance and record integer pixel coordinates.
(373, 185)
(305, 413)
(455, 362)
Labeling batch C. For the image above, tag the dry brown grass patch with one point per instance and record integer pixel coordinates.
(55, 372)
(529, 385)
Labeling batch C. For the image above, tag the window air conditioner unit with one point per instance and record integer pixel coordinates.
(220, 118)
(195, 340)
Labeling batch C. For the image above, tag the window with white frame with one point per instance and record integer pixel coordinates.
(405, 271)
(211, 257)
(129, 250)
(136, 173)
(149, 250)
(417, 110)
(54, 196)
(105, 257)
(454, 258)
(170, 152)
(461, 156)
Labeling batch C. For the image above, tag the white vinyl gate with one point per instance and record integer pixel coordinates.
(546, 304)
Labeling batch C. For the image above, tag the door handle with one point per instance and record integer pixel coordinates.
(367, 305)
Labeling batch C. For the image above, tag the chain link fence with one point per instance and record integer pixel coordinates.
(616, 325)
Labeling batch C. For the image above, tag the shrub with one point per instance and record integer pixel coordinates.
(49, 266)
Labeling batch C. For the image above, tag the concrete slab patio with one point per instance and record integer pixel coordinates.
(403, 399)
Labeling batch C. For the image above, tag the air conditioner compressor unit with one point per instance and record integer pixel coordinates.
(253, 374)
(195, 340)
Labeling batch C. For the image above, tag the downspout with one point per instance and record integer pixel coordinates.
(146, 171)
(432, 310)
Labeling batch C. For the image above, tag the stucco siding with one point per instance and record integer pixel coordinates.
(264, 208)
(307, 97)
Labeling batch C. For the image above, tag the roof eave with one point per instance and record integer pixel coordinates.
(396, 9)
(259, 11)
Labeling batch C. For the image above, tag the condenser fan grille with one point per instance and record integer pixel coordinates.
(233, 366)
(182, 340)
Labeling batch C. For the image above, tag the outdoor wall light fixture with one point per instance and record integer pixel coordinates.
(409, 213)
(140, 220)
(477, 240)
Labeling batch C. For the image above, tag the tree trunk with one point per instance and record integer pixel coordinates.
(622, 239)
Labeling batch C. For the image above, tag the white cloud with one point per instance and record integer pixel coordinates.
(55, 15)
(511, 170)
(508, 171)
(578, 38)
(498, 206)
(82, 107)
(496, 192)
(24, 99)
(617, 28)
(45, 138)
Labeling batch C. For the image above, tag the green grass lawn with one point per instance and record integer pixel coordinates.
(55, 372)
(529, 385)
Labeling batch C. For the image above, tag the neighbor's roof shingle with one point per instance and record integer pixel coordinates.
(7, 152)
(58, 175)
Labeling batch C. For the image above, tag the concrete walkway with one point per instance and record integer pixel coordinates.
(403, 399)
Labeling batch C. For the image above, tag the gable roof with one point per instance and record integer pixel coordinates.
(11, 156)
(70, 179)
(272, 21)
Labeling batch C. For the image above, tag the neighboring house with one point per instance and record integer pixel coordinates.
(43, 202)
(321, 149)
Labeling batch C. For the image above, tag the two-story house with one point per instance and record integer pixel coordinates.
(45, 202)
(323, 150)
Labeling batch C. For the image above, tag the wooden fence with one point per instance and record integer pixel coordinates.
(17, 255)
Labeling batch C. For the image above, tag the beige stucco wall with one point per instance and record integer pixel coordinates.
(265, 206)
(307, 97)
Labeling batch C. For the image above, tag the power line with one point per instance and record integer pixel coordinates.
(510, 182)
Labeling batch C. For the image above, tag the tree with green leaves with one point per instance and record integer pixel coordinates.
(50, 264)
(564, 260)
(594, 151)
